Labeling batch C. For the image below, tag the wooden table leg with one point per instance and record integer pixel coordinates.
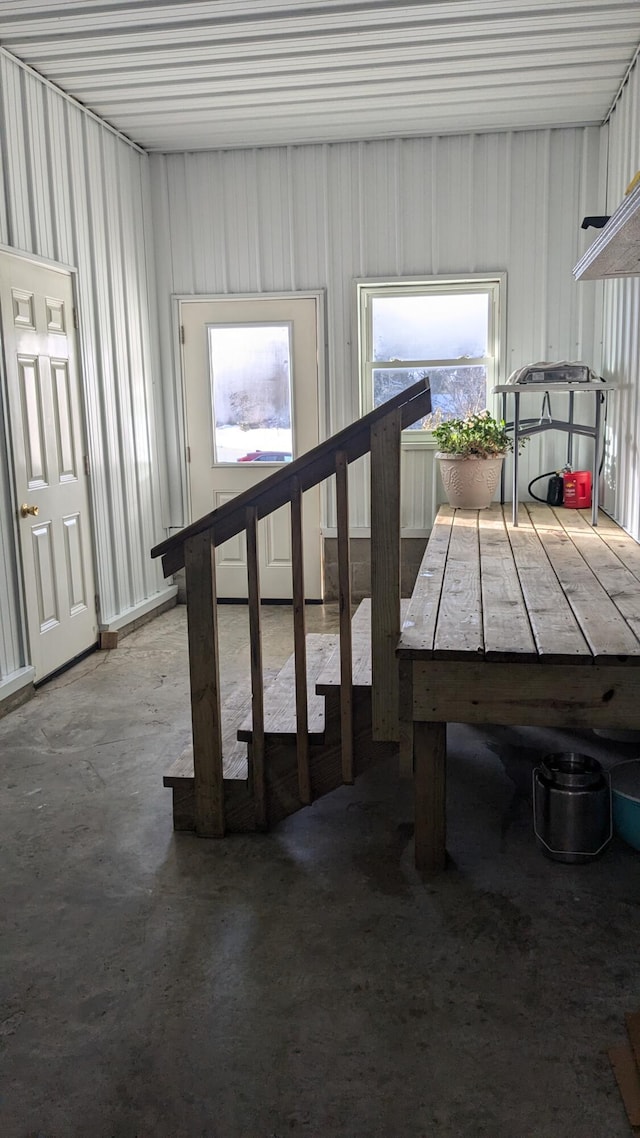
(405, 763)
(430, 757)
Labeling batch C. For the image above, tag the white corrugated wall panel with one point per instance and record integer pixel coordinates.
(322, 216)
(75, 193)
(14, 156)
(621, 344)
(162, 238)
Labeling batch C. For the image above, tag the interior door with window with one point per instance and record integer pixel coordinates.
(36, 307)
(250, 370)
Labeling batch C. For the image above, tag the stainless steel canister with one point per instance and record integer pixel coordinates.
(571, 807)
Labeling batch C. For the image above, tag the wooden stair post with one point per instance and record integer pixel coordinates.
(344, 597)
(257, 771)
(299, 639)
(204, 673)
(385, 575)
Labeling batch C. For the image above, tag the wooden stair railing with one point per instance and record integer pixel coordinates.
(193, 548)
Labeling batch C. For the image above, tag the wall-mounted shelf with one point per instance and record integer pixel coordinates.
(616, 250)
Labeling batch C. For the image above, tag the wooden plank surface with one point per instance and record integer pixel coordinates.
(258, 779)
(385, 576)
(419, 624)
(556, 632)
(506, 628)
(344, 605)
(459, 630)
(603, 627)
(299, 634)
(553, 589)
(206, 715)
(620, 542)
(619, 581)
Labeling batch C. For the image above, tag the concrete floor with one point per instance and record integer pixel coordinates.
(303, 982)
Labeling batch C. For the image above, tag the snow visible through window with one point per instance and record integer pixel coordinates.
(443, 332)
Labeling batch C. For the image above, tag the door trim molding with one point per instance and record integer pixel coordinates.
(46, 262)
(301, 294)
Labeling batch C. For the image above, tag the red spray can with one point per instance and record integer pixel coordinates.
(577, 489)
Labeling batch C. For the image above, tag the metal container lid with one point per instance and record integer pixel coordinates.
(625, 779)
(571, 770)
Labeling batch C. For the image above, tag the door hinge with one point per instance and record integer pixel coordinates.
(97, 603)
(182, 333)
(188, 454)
(85, 463)
(75, 316)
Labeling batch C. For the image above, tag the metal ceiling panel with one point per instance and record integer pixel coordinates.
(225, 73)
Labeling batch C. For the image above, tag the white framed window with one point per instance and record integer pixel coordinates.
(450, 329)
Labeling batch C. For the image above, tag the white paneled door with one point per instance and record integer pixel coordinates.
(251, 397)
(36, 306)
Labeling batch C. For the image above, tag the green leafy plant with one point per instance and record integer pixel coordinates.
(476, 436)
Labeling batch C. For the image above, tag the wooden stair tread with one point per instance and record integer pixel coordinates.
(279, 696)
(329, 678)
(323, 677)
(233, 750)
(279, 715)
(281, 765)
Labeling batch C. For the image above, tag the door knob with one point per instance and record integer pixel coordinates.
(26, 511)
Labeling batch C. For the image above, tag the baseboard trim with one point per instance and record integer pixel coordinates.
(16, 689)
(126, 621)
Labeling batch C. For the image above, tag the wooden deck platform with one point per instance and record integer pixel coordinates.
(534, 625)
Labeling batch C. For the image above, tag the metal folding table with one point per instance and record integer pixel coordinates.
(523, 428)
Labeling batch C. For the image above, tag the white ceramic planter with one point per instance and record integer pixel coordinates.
(469, 482)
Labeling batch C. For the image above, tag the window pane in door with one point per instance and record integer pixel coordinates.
(455, 391)
(444, 326)
(250, 369)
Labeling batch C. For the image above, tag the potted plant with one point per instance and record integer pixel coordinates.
(471, 452)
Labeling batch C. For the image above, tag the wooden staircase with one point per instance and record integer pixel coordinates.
(280, 736)
(333, 709)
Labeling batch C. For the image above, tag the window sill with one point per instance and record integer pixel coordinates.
(411, 442)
